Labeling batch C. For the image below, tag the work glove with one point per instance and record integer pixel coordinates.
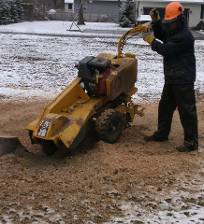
(154, 15)
(148, 37)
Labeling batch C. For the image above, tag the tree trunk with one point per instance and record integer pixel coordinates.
(54, 4)
(80, 14)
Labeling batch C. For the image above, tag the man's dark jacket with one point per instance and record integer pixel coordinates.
(178, 52)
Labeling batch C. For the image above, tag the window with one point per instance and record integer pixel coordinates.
(70, 6)
(202, 12)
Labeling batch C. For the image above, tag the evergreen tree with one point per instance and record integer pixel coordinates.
(126, 14)
(14, 12)
(19, 10)
(10, 11)
(5, 16)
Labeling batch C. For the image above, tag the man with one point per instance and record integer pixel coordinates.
(177, 49)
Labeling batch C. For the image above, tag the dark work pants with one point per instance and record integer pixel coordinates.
(183, 97)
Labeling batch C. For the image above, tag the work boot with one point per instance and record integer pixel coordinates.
(155, 138)
(187, 147)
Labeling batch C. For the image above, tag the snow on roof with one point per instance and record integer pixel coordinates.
(68, 1)
(143, 18)
(181, 1)
(109, 0)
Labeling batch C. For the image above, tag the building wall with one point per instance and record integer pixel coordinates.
(99, 11)
(194, 10)
(99, 7)
(194, 14)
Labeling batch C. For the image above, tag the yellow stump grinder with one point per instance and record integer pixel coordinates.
(98, 99)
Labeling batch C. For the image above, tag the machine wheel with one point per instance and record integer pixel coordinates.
(109, 125)
(48, 147)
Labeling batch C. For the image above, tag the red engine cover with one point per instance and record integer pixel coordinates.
(102, 83)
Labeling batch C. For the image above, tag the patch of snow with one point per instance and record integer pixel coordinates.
(165, 206)
(51, 12)
(61, 28)
(33, 66)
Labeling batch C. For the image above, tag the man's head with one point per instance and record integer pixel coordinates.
(174, 15)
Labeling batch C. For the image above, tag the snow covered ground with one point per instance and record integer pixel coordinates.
(42, 65)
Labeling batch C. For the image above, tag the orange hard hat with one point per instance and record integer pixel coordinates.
(172, 11)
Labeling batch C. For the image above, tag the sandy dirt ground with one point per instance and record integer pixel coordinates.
(131, 181)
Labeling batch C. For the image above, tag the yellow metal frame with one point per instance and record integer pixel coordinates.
(140, 28)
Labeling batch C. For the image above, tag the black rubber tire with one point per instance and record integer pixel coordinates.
(48, 147)
(109, 125)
